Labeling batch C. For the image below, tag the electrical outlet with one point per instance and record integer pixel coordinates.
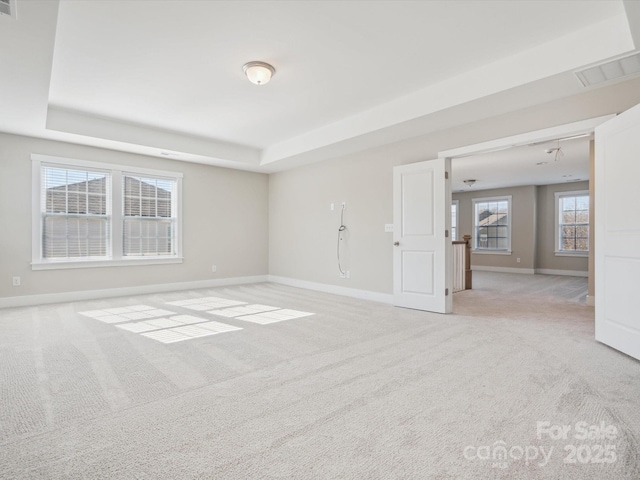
(388, 227)
(342, 275)
(348, 273)
(518, 260)
(16, 281)
(214, 268)
(344, 205)
(332, 206)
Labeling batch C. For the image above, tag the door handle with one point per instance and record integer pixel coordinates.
(396, 244)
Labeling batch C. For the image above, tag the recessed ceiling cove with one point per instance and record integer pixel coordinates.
(158, 76)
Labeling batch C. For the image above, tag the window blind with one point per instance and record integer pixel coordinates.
(75, 209)
(150, 216)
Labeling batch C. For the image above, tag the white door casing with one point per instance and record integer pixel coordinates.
(617, 232)
(422, 260)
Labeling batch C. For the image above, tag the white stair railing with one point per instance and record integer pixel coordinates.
(462, 264)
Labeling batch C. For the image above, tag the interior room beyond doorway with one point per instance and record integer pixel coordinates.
(527, 211)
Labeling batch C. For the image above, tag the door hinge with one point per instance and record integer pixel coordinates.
(446, 233)
(446, 175)
(446, 292)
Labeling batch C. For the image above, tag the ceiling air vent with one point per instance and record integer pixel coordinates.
(8, 8)
(608, 71)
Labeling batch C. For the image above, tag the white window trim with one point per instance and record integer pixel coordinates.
(116, 259)
(457, 204)
(556, 250)
(489, 251)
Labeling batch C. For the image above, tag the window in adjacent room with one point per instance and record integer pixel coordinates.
(572, 222)
(94, 214)
(492, 224)
(454, 220)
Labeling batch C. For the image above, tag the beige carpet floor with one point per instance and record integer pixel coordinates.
(548, 286)
(358, 390)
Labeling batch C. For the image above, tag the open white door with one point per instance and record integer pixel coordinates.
(617, 232)
(422, 246)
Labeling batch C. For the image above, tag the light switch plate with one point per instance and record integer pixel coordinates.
(388, 227)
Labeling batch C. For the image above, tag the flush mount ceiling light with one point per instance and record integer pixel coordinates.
(469, 183)
(258, 72)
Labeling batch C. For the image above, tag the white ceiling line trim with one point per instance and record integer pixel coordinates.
(612, 36)
(546, 134)
(80, 123)
(566, 53)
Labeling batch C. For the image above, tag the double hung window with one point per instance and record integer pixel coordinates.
(492, 224)
(93, 214)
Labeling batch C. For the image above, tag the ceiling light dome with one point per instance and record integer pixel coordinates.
(258, 72)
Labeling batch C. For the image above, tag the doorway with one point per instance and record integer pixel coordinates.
(525, 202)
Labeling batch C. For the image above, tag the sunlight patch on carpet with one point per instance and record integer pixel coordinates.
(244, 310)
(206, 303)
(188, 332)
(275, 316)
(168, 326)
(126, 314)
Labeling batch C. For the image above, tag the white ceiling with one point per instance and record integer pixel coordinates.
(526, 165)
(166, 76)
(179, 67)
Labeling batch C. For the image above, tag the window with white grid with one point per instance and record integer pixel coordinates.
(572, 222)
(454, 219)
(75, 212)
(149, 216)
(94, 214)
(492, 224)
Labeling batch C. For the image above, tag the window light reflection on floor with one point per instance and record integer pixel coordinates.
(166, 326)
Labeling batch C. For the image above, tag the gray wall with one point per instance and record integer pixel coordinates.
(302, 229)
(225, 222)
(251, 224)
(546, 230)
(533, 228)
(523, 226)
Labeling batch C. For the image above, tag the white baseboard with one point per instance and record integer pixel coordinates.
(28, 300)
(569, 273)
(528, 271)
(531, 271)
(334, 289)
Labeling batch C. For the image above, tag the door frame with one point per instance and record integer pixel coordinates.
(536, 136)
(582, 127)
